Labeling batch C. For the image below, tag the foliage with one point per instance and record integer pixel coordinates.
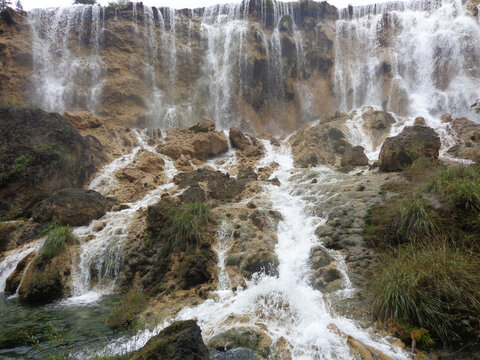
(431, 287)
(182, 226)
(21, 164)
(18, 5)
(56, 242)
(125, 313)
(458, 187)
(118, 3)
(188, 224)
(402, 221)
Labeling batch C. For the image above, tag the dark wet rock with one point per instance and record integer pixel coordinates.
(260, 220)
(247, 174)
(239, 139)
(354, 156)
(241, 338)
(200, 175)
(180, 341)
(420, 121)
(400, 151)
(40, 153)
(194, 270)
(204, 125)
(75, 207)
(45, 282)
(226, 188)
(193, 194)
(234, 354)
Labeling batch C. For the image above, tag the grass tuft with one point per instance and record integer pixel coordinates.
(56, 242)
(432, 287)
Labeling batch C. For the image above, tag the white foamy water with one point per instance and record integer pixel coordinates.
(13, 257)
(101, 250)
(286, 306)
(415, 58)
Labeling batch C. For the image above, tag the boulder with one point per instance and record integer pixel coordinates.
(40, 153)
(180, 341)
(210, 144)
(242, 338)
(400, 151)
(203, 126)
(420, 121)
(322, 144)
(239, 140)
(82, 120)
(354, 156)
(75, 207)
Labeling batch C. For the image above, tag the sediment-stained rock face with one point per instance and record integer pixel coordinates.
(250, 65)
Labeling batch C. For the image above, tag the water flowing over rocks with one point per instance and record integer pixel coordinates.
(184, 107)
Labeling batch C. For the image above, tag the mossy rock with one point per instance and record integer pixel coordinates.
(180, 341)
(242, 338)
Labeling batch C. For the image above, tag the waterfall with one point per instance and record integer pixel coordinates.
(66, 74)
(12, 258)
(415, 58)
(296, 317)
(100, 260)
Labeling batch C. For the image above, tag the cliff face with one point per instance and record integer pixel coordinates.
(257, 65)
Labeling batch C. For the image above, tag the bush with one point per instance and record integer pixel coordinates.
(188, 224)
(181, 226)
(21, 164)
(125, 313)
(458, 187)
(56, 242)
(432, 287)
(402, 222)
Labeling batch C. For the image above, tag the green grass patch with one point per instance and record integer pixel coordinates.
(124, 315)
(459, 187)
(402, 221)
(432, 287)
(56, 242)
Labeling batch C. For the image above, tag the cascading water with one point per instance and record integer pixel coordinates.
(101, 252)
(13, 257)
(412, 58)
(295, 316)
(65, 75)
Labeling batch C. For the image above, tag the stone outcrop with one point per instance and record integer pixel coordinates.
(326, 144)
(197, 144)
(180, 341)
(400, 151)
(74, 207)
(377, 124)
(468, 134)
(40, 152)
(125, 48)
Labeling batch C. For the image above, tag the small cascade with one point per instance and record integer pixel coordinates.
(13, 257)
(66, 74)
(297, 318)
(101, 251)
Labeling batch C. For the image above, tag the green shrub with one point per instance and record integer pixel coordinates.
(188, 224)
(181, 226)
(124, 315)
(431, 287)
(21, 164)
(56, 242)
(401, 222)
(458, 187)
